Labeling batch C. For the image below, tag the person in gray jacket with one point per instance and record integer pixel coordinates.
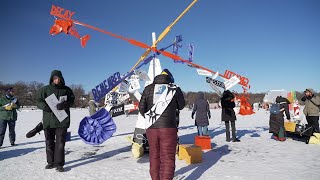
(202, 111)
(311, 108)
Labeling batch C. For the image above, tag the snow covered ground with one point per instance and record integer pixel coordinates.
(257, 156)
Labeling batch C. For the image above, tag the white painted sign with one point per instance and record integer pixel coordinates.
(231, 82)
(52, 102)
(137, 95)
(202, 72)
(128, 107)
(215, 75)
(134, 85)
(142, 75)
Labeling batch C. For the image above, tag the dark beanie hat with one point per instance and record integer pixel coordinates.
(167, 72)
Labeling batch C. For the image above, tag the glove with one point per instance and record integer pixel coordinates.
(63, 105)
(209, 115)
(8, 108)
(47, 109)
(14, 106)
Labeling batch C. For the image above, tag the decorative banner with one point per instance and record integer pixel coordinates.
(215, 82)
(106, 86)
(231, 82)
(134, 85)
(203, 72)
(117, 110)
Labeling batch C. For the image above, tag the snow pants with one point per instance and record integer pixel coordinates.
(162, 152)
(55, 142)
(314, 122)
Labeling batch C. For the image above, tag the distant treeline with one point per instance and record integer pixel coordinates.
(26, 93)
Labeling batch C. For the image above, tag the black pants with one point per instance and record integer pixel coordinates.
(314, 122)
(3, 128)
(55, 141)
(233, 129)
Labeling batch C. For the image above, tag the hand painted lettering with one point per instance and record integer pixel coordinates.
(106, 86)
(61, 13)
(243, 80)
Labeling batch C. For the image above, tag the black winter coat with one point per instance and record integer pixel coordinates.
(168, 117)
(202, 110)
(277, 120)
(227, 105)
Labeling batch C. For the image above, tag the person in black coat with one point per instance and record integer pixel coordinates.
(202, 111)
(228, 115)
(162, 134)
(276, 122)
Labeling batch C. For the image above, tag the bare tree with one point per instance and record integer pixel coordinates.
(81, 99)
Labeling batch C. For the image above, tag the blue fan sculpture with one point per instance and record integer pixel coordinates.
(97, 128)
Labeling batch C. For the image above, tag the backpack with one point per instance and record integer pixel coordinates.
(275, 108)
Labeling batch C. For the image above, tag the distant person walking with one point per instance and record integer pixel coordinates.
(228, 115)
(54, 130)
(276, 122)
(202, 111)
(93, 106)
(311, 108)
(8, 115)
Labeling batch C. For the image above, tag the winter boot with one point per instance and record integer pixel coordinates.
(236, 140)
(49, 166)
(59, 169)
(34, 131)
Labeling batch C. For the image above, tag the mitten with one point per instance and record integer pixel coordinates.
(63, 105)
(8, 108)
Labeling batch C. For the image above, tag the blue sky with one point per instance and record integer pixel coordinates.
(275, 44)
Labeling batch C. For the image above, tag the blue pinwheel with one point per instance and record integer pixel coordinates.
(97, 128)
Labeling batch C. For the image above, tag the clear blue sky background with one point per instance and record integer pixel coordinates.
(274, 43)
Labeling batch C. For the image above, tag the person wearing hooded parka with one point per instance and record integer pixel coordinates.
(202, 111)
(54, 130)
